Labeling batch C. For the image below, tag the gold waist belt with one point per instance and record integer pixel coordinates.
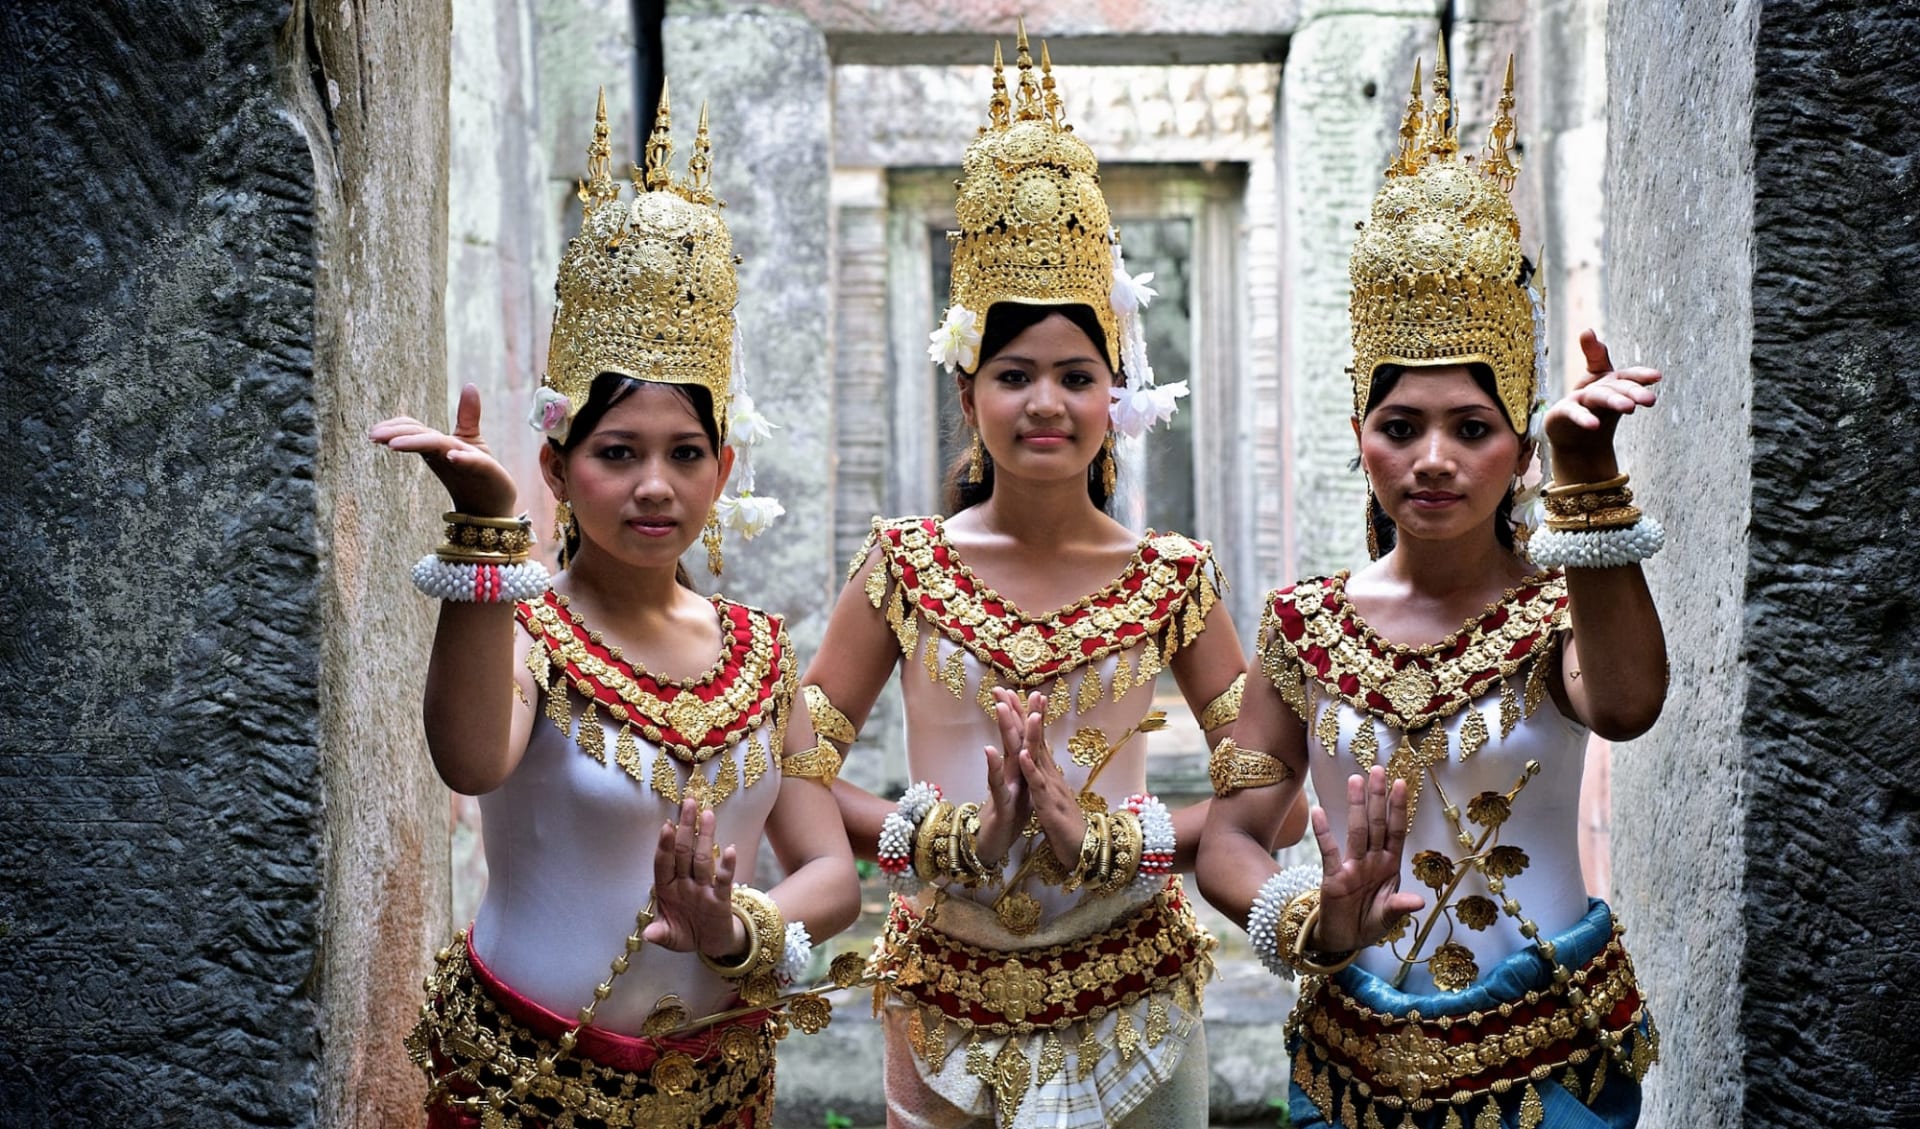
(1357, 1063)
(492, 1059)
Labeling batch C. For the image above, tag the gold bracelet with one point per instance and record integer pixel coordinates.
(822, 763)
(1128, 841)
(975, 870)
(1572, 489)
(1233, 769)
(926, 837)
(1089, 852)
(766, 944)
(828, 721)
(485, 540)
(1225, 709)
(1314, 963)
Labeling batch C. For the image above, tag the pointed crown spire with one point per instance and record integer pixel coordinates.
(598, 188)
(659, 170)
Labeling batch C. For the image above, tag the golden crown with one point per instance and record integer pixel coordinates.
(1436, 273)
(646, 290)
(1034, 226)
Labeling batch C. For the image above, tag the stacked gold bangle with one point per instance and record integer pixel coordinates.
(1297, 923)
(486, 540)
(1109, 859)
(946, 847)
(766, 944)
(1591, 505)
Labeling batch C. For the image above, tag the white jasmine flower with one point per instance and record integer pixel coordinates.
(1529, 509)
(1135, 411)
(957, 342)
(551, 414)
(1130, 291)
(746, 425)
(747, 515)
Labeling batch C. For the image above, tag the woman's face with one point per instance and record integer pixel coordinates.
(1439, 453)
(643, 481)
(1040, 404)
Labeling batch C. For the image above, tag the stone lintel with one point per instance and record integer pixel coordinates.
(968, 47)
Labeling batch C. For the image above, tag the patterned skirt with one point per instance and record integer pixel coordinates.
(492, 1059)
(1520, 1049)
(1074, 1031)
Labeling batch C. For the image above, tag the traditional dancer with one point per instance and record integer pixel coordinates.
(1041, 964)
(1503, 997)
(630, 727)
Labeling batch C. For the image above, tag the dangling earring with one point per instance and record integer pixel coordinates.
(565, 529)
(977, 461)
(1373, 535)
(1109, 471)
(711, 537)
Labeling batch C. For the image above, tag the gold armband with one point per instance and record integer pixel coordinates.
(1232, 768)
(828, 722)
(766, 944)
(820, 763)
(1225, 709)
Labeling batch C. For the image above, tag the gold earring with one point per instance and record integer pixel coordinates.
(977, 461)
(1109, 470)
(565, 529)
(711, 536)
(1373, 535)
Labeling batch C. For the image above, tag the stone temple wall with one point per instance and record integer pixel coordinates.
(1762, 249)
(222, 852)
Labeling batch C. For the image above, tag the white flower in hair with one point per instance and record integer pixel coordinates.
(1130, 291)
(1135, 411)
(550, 412)
(746, 425)
(747, 515)
(957, 342)
(1529, 509)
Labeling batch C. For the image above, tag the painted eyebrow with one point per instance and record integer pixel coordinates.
(677, 437)
(1031, 363)
(1463, 410)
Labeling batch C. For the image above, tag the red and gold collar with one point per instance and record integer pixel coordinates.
(1311, 632)
(1162, 597)
(693, 719)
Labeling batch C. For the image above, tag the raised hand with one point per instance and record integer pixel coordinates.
(693, 890)
(1580, 426)
(474, 479)
(1054, 800)
(1004, 813)
(1360, 898)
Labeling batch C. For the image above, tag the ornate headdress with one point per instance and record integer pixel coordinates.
(1436, 273)
(647, 291)
(1034, 228)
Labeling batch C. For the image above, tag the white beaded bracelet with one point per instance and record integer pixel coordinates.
(895, 853)
(797, 955)
(1263, 919)
(1157, 841)
(1597, 548)
(479, 583)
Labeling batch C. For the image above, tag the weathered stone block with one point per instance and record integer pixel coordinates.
(224, 227)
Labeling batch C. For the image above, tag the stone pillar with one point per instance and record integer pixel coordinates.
(1341, 96)
(222, 849)
(1761, 250)
(766, 77)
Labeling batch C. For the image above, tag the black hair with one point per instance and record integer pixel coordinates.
(1385, 377)
(1006, 321)
(609, 388)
